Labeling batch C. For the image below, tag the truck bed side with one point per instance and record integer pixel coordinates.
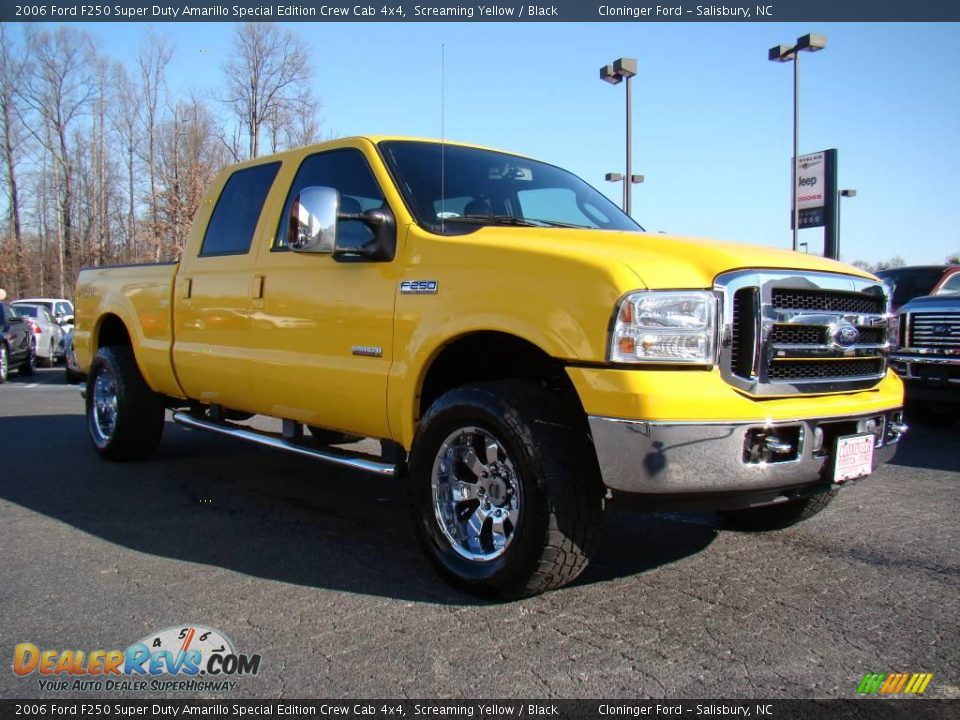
(136, 300)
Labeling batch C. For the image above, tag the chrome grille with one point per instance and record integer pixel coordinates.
(801, 332)
(934, 330)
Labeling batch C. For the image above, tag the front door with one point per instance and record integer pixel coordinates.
(321, 333)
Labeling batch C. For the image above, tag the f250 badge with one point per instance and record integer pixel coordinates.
(419, 287)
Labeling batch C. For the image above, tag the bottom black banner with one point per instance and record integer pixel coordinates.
(881, 709)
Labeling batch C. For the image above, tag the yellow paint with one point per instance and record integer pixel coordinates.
(273, 332)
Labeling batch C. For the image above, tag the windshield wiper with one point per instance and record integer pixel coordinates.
(507, 220)
(490, 220)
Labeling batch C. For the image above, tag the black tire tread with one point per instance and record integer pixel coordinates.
(140, 413)
(567, 465)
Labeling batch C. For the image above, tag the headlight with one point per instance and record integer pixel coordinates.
(673, 326)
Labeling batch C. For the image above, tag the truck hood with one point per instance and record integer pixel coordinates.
(949, 302)
(660, 260)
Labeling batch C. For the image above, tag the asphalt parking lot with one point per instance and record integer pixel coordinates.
(317, 570)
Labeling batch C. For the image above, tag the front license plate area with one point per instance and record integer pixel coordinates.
(854, 457)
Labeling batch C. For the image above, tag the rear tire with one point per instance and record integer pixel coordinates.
(780, 516)
(505, 489)
(124, 416)
(4, 363)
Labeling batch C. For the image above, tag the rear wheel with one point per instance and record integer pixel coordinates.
(124, 416)
(777, 517)
(506, 493)
(4, 363)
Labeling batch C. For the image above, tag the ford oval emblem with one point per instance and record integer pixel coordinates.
(941, 330)
(846, 335)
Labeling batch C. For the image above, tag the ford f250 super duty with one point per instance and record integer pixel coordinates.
(523, 350)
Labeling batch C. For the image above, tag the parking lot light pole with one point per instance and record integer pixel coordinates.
(619, 70)
(785, 53)
(617, 177)
(849, 193)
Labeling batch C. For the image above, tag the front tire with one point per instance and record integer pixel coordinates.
(506, 493)
(29, 366)
(780, 516)
(124, 416)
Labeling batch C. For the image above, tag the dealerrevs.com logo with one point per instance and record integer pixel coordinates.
(180, 658)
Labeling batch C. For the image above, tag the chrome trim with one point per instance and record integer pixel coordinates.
(367, 350)
(924, 360)
(250, 435)
(654, 458)
(767, 318)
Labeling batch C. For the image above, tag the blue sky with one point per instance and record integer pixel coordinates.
(712, 117)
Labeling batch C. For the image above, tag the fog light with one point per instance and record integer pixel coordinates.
(817, 439)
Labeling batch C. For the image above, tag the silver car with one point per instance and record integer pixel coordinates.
(49, 334)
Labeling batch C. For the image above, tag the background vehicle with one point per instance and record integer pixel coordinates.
(17, 345)
(61, 309)
(48, 333)
(927, 357)
(914, 281)
(71, 367)
(522, 349)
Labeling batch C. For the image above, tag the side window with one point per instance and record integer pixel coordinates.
(234, 219)
(347, 171)
(952, 285)
(62, 308)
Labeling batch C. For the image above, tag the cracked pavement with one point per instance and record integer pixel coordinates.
(317, 570)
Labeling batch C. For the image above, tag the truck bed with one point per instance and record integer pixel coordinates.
(142, 297)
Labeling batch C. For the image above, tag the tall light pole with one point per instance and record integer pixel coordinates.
(615, 73)
(785, 53)
(617, 177)
(849, 193)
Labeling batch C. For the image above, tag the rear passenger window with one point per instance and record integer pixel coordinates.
(234, 220)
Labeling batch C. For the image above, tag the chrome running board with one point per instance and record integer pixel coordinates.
(250, 435)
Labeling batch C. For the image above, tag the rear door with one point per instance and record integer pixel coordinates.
(214, 290)
(16, 334)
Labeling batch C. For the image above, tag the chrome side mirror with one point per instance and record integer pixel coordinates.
(313, 220)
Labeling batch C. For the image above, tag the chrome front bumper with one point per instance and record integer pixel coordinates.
(653, 458)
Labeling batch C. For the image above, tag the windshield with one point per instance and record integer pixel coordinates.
(31, 310)
(483, 187)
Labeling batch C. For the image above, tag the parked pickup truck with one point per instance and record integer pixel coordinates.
(927, 356)
(524, 351)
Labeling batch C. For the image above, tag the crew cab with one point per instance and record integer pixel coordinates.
(523, 350)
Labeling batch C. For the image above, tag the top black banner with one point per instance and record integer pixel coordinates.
(486, 11)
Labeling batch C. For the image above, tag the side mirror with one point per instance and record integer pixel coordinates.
(65, 320)
(383, 245)
(313, 220)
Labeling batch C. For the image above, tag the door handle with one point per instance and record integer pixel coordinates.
(256, 291)
(186, 288)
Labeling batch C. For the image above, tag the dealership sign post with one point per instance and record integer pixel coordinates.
(817, 197)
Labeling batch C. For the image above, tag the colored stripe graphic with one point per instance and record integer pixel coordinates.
(894, 683)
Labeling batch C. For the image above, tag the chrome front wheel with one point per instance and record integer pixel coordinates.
(477, 494)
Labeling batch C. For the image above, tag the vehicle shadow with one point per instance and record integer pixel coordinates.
(221, 502)
(930, 448)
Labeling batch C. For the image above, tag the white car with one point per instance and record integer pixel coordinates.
(60, 308)
(47, 332)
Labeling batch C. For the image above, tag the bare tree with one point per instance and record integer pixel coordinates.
(11, 72)
(59, 88)
(155, 55)
(123, 118)
(268, 74)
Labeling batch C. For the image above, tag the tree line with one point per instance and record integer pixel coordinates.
(102, 162)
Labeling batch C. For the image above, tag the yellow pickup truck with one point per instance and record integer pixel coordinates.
(525, 353)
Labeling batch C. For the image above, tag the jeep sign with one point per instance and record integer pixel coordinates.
(814, 182)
